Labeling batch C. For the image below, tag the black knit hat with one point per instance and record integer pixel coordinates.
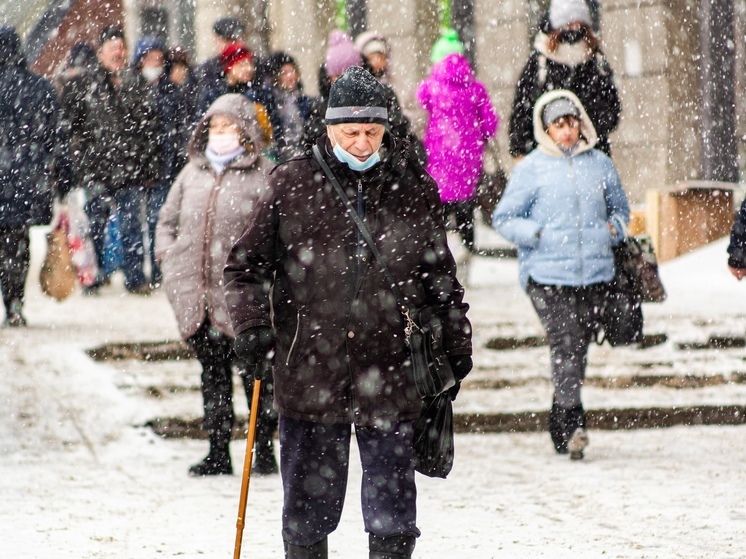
(357, 97)
(110, 32)
(229, 28)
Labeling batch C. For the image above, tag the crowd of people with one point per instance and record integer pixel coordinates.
(221, 178)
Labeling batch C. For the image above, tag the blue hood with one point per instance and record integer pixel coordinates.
(144, 45)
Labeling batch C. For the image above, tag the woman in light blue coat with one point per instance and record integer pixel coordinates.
(565, 208)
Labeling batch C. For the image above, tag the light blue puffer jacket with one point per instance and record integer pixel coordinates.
(555, 209)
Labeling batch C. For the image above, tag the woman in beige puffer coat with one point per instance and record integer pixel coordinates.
(205, 212)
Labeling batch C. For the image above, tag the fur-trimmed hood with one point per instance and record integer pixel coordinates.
(588, 136)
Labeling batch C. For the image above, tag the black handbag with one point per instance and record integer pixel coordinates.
(636, 256)
(423, 331)
(433, 437)
(492, 182)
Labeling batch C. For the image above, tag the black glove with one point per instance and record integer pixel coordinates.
(256, 347)
(460, 365)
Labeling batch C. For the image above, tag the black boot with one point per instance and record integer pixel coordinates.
(393, 547)
(557, 427)
(14, 318)
(218, 460)
(319, 550)
(577, 435)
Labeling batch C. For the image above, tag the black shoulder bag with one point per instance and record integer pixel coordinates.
(433, 376)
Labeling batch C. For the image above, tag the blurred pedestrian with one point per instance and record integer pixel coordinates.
(461, 120)
(226, 30)
(341, 55)
(303, 290)
(82, 57)
(737, 246)
(239, 71)
(35, 165)
(565, 208)
(113, 126)
(151, 65)
(375, 50)
(566, 55)
(205, 212)
(292, 105)
(182, 75)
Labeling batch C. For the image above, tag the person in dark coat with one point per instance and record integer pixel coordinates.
(114, 128)
(737, 246)
(566, 55)
(82, 57)
(303, 290)
(291, 105)
(151, 66)
(226, 30)
(35, 165)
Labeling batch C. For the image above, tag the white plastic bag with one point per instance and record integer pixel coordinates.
(79, 238)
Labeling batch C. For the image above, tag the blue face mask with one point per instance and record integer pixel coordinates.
(353, 162)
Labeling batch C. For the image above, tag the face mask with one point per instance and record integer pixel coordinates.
(571, 36)
(223, 143)
(152, 73)
(353, 162)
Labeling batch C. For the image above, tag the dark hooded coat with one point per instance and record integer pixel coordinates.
(34, 151)
(340, 348)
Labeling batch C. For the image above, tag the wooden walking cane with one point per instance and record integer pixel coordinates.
(247, 460)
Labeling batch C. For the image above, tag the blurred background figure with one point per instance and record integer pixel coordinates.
(566, 55)
(82, 58)
(114, 127)
(182, 75)
(292, 106)
(205, 212)
(151, 65)
(461, 120)
(376, 50)
(226, 30)
(341, 54)
(35, 165)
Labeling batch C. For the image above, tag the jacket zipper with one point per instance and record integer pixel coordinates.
(361, 213)
(295, 340)
(580, 219)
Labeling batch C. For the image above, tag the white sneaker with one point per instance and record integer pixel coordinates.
(577, 443)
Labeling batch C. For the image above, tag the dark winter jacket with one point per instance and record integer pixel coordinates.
(340, 349)
(34, 151)
(571, 67)
(114, 130)
(737, 246)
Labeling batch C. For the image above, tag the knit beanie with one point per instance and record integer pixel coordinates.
(229, 28)
(341, 53)
(448, 43)
(233, 54)
(110, 32)
(370, 42)
(565, 12)
(357, 97)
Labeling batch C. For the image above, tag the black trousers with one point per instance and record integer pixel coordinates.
(464, 213)
(215, 353)
(314, 461)
(14, 263)
(569, 316)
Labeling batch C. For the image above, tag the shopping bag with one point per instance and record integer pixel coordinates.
(79, 239)
(57, 276)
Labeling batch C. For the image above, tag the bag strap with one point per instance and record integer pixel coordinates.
(363, 230)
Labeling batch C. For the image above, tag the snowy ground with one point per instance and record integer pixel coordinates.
(78, 479)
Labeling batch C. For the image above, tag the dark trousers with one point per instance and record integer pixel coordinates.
(215, 353)
(154, 200)
(569, 316)
(314, 461)
(464, 214)
(14, 263)
(128, 201)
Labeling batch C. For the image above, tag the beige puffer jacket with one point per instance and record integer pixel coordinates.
(204, 214)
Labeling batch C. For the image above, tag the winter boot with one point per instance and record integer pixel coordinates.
(393, 547)
(578, 435)
(557, 420)
(14, 318)
(218, 460)
(319, 550)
